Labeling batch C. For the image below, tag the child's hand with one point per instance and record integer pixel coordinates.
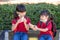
(36, 27)
(19, 21)
(24, 20)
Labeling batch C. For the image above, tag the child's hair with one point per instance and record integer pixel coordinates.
(45, 12)
(51, 17)
(19, 8)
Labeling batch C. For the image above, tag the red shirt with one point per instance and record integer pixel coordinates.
(43, 25)
(20, 26)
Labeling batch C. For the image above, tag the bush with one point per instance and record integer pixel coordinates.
(33, 11)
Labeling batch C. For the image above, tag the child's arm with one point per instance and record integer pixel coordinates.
(39, 29)
(26, 25)
(15, 25)
(43, 30)
(49, 26)
(32, 27)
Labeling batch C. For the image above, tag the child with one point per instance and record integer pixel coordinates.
(21, 23)
(45, 26)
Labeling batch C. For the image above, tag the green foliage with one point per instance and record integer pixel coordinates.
(33, 11)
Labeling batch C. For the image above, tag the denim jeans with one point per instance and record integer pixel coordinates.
(45, 37)
(20, 36)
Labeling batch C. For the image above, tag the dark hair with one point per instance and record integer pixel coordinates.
(45, 12)
(15, 15)
(51, 17)
(19, 8)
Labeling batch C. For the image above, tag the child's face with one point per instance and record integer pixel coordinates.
(43, 17)
(21, 14)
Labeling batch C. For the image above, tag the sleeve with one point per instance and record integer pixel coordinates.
(49, 26)
(38, 25)
(13, 22)
(28, 20)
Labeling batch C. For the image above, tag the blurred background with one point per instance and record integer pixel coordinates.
(56, 2)
(29, 1)
(33, 7)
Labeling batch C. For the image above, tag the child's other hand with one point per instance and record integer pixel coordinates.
(36, 27)
(19, 21)
(24, 20)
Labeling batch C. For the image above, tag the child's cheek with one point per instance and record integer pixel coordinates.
(41, 18)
